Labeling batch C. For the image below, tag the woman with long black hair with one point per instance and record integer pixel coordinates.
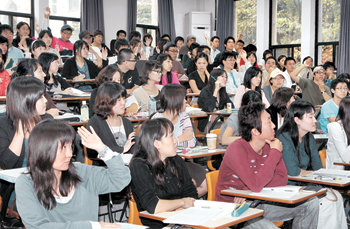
(57, 193)
(160, 180)
(166, 63)
(301, 157)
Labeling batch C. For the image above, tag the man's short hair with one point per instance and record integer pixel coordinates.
(120, 42)
(214, 37)
(189, 37)
(249, 117)
(178, 38)
(271, 57)
(226, 55)
(5, 27)
(169, 45)
(338, 80)
(67, 27)
(240, 41)
(134, 34)
(120, 31)
(328, 64)
(308, 57)
(202, 47)
(229, 38)
(288, 59)
(124, 55)
(250, 48)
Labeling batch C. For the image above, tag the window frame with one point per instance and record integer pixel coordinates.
(273, 48)
(334, 44)
(12, 14)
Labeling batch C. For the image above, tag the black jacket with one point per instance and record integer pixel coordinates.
(70, 69)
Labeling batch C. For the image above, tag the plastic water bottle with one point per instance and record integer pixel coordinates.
(84, 111)
(152, 105)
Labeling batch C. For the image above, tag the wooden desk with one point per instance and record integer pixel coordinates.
(202, 153)
(78, 123)
(224, 113)
(2, 99)
(297, 198)
(135, 119)
(311, 179)
(341, 163)
(221, 222)
(87, 81)
(72, 99)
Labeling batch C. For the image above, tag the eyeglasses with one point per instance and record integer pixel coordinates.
(131, 60)
(342, 88)
(157, 70)
(174, 51)
(320, 72)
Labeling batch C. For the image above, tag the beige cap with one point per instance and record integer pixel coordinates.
(275, 73)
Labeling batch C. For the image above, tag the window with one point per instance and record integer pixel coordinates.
(15, 11)
(245, 20)
(327, 36)
(65, 12)
(285, 28)
(147, 18)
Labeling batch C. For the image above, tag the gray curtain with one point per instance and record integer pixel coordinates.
(92, 15)
(344, 38)
(132, 12)
(224, 26)
(166, 18)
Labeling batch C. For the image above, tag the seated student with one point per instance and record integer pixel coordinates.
(270, 65)
(307, 72)
(301, 158)
(192, 66)
(13, 53)
(166, 63)
(150, 76)
(314, 91)
(25, 107)
(32, 68)
(254, 162)
(289, 65)
(200, 77)
(53, 81)
(281, 100)
(134, 34)
(147, 45)
(329, 110)
(172, 101)
(121, 34)
(213, 96)
(78, 67)
(214, 47)
(172, 50)
(338, 149)
(229, 44)
(280, 62)
(159, 49)
(4, 77)
(23, 39)
(160, 180)
(135, 46)
(230, 128)
(37, 47)
(234, 78)
(66, 47)
(251, 60)
(46, 36)
(179, 41)
(329, 67)
(57, 193)
(98, 44)
(266, 54)
(276, 81)
(192, 53)
(114, 130)
(9, 64)
(185, 48)
(126, 63)
(251, 81)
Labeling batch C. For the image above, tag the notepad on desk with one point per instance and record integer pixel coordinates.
(332, 173)
(287, 191)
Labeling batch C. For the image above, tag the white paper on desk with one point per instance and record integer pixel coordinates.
(275, 192)
(332, 173)
(194, 216)
(130, 226)
(68, 115)
(77, 92)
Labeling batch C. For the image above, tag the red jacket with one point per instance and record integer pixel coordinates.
(244, 169)
(5, 81)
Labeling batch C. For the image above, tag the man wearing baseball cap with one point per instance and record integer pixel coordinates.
(66, 47)
(276, 81)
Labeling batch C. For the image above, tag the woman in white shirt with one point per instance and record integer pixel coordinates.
(338, 148)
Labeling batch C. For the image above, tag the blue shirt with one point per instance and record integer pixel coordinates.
(329, 109)
(15, 54)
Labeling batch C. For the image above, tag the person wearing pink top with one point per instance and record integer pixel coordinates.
(254, 162)
(65, 46)
(168, 76)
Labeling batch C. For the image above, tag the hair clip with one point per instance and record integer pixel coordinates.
(213, 78)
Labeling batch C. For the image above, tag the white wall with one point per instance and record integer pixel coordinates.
(115, 17)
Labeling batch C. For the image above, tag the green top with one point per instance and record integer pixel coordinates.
(290, 156)
(82, 207)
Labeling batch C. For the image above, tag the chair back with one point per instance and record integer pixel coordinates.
(86, 158)
(212, 179)
(134, 216)
(323, 155)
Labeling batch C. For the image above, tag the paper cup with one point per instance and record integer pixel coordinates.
(211, 141)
